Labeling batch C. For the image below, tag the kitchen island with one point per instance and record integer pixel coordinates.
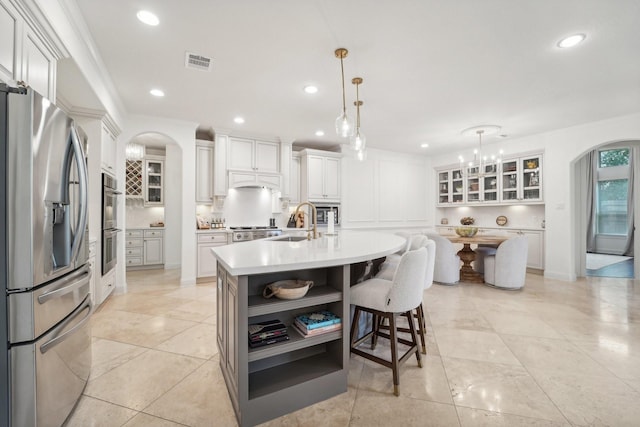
(270, 381)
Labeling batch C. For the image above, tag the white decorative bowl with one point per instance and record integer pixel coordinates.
(287, 289)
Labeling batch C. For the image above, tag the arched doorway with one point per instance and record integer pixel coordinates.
(153, 175)
(603, 252)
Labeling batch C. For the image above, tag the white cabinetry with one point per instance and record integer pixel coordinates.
(144, 247)
(154, 182)
(294, 178)
(207, 263)
(535, 254)
(255, 156)
(522, 179)
(153, 251)
(108, 147)
(204, 172)
(515, 180)
(320, 176)
(107, 285)
(24, 55)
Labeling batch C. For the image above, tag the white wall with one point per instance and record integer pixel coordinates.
(561, 149)
(183, 134)
(388, 189)
(174, 218)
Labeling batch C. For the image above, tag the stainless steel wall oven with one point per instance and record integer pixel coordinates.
(109, 223)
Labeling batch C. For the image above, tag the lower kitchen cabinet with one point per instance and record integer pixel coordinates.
(207, 263)
(535, 254)
(144, 248)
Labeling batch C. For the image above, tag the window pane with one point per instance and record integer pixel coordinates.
(618, 157)
(612, 207)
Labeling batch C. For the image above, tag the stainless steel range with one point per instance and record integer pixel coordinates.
(245, 234)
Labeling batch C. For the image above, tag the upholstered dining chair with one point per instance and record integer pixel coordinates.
(507, 268)
(386, 299)
(446, 270)
(483, 250)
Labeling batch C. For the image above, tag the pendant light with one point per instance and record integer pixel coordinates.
(357, 141)
(344, 125)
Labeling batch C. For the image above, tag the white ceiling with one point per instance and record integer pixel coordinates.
(431, 68)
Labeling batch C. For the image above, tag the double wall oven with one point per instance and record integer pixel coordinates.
(110, 228)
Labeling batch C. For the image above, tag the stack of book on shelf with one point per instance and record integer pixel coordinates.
(317, 323)
(265, 333)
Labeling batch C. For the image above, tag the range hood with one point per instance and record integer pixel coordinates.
(255, 180)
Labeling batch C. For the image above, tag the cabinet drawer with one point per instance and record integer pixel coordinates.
(212, 238)
(133, 242)
(133, 233)
(133, 252)
(153, 233)
(131, 261)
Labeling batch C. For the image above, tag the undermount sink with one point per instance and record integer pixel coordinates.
(289, 239)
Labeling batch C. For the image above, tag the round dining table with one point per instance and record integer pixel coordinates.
(467, 255)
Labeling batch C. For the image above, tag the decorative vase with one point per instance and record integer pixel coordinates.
(466, 231)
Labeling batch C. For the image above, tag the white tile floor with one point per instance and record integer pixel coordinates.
(553, 354)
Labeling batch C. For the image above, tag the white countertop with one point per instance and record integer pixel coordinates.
(267, 255)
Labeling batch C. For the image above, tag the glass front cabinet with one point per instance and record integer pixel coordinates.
(514, 180)
(154, 188)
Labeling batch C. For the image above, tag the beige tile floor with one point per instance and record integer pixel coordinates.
(553, 354)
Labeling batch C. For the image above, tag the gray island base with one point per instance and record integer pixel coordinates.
(274, 380)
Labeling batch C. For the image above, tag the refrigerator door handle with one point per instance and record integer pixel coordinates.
(57, 331)
(84, 275)
(83, 180)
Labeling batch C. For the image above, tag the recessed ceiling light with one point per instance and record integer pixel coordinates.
(425, 145)
(571, 40)
(319, 133)
(148, 17)
(156, 92)
(239, 120)
(311, 89)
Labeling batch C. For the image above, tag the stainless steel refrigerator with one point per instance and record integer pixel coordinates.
(45, 308)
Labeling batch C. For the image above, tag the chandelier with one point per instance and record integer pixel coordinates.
(481, 164)
(344, 124)
(134, 151)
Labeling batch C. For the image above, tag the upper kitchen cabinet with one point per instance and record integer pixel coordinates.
(320, 176)
(294, 178)
(513, 181)
(108, 148)
(25, 54)
(204, 172)
(154, 182)
(254, 156)
(522, 179)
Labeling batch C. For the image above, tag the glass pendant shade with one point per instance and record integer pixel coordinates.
(358, 141)
(344, 125)
(361, 155)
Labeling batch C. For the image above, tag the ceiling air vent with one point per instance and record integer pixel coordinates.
(197, 62)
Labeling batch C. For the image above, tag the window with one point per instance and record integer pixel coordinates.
(617, 157)
(613, 183)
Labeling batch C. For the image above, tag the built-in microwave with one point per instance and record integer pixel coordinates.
(323, 211)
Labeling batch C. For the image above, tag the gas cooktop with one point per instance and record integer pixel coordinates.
(254, 227)
(243, 234)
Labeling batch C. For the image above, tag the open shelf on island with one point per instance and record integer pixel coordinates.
(296, 342)
(279, 377)
(258, 305)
